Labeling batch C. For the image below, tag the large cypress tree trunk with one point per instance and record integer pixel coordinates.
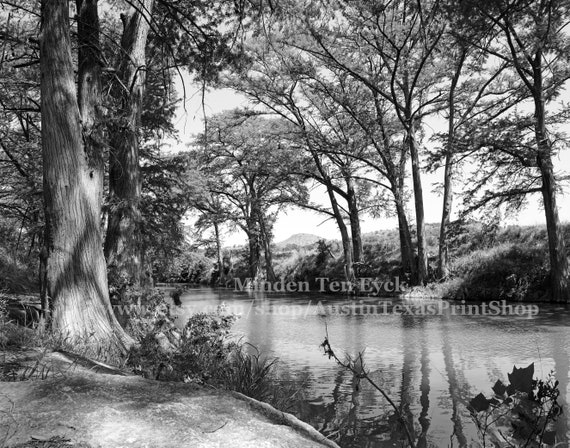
(123, 241)
(77, 297)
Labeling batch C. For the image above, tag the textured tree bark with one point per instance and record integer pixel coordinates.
(89, 89)
(219, 252)
(442, 259)
(422, 265)
(354, 213)
(77, 298)
(253, 236)
(123, 240)
(406, 244)
(556, 246)
(266, 239)
(345, 238)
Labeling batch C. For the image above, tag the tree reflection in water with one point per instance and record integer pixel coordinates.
(431, 366)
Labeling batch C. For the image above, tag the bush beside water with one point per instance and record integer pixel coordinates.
(204, 352)
(485, 262)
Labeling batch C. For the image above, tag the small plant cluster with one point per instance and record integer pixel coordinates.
(520, 414)
(13, 335)
(205, 352)
(147, 312)
(15, 370)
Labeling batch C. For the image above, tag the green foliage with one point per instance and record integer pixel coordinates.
(520, 414)
(325, 259)
(165, 199)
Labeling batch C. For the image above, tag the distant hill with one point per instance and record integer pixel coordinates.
(300, 239)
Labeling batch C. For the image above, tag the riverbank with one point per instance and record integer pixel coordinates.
(201, 357)
(485, 263)
(81, 403)
(510, 264)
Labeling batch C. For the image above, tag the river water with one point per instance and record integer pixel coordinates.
(431, 358)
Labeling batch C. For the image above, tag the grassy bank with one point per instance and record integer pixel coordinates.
(486, 262)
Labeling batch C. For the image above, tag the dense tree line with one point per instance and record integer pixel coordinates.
(343, 94)
(86, 106)
(362, 80)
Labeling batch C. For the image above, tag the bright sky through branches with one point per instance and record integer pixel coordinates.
(189, 122)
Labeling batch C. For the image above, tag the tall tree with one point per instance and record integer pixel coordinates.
(382, 150)
(347, 122)
(76, 278)
(533, 39)
(478, 92)
(194, 34)
(250, 164)
(123, 240)
(400, 41)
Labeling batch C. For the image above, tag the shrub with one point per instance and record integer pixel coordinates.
(186, 267)
(197, 354)
(207, 353)
(520, 414)
(142, 312)
(205, 348)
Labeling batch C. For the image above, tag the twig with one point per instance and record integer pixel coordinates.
(217, 429)
(361, 373)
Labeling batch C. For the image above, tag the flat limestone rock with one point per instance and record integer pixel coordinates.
(82, 408)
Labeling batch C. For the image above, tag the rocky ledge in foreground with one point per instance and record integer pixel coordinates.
(75, 406)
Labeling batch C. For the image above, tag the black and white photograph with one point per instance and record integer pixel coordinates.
(284, 223)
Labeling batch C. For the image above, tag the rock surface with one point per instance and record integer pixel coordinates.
(111, 410)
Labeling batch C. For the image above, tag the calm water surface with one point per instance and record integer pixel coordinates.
(430, 365)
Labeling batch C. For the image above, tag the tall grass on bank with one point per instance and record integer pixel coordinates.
(486, 262)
